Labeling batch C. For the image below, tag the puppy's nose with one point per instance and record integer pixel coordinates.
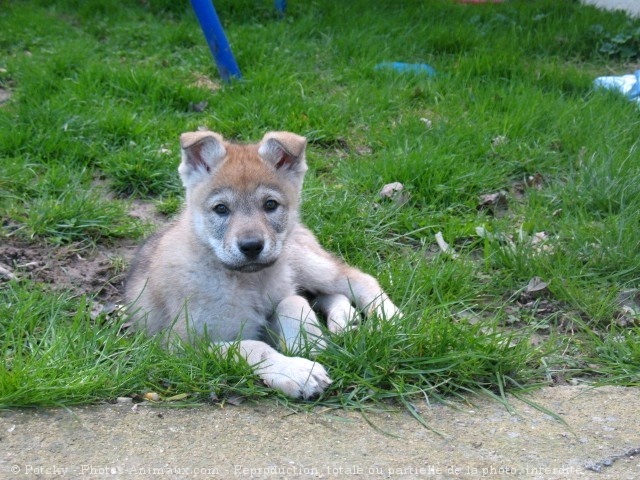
(251, 247)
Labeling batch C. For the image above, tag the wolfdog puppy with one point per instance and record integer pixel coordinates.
(235, 262)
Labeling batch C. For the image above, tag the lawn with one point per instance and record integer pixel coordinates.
(508, 154)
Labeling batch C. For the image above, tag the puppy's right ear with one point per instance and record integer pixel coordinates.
(202, 152)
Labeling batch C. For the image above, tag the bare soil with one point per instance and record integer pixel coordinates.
(95, 270)
(84, 270)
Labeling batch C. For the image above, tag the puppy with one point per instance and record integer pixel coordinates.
(234, 263)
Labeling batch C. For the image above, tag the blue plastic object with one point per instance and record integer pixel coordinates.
(407, 67)
(216, 39)
(635, 90)
(628, 85)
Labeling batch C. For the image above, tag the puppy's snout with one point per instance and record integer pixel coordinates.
(251, 247)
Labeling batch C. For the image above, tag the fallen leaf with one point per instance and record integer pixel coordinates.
(394, 191)
(629, 308)
(468, 316)
(235, 400)
(535, 181)
(198, 107)
(519, 189)
(175, 398)
(536, 285)
(445, 247)
(494, 203)
(391, 189)
(6, 272)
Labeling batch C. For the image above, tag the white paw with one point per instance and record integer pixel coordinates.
(384, 308)
(296, 377)
(341, 319)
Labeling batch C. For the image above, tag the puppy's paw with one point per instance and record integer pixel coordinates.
(342, 319)
(385, 309)
(338, 311)
(296, 377)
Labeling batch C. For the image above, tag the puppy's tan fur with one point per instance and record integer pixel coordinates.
(234, 263)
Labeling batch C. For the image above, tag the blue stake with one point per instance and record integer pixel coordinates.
(281, 6)
(216, 39)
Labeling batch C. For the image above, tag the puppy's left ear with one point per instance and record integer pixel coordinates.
(202, 153)
(285, 152)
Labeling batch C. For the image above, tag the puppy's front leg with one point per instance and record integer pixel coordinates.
(296, 325)
(338, 311)
(367, 294)
(321, 273)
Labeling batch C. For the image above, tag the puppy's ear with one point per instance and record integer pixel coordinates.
(202, 152)
(285, 152)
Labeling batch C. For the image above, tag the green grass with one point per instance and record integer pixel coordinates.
(100, 92)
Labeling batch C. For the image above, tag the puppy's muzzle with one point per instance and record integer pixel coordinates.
(251, 247)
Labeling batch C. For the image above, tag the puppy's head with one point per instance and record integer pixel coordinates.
(243, 199)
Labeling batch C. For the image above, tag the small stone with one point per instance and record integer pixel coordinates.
(151, 396)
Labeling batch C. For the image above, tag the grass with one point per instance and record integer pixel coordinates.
(100, 92)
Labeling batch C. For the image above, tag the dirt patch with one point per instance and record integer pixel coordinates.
(97, 270)
(94, 270)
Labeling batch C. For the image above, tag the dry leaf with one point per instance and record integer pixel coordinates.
(445, 247)
(629, 304)
(235, 400)
(394, 191)
(535, 181)
(391, 189)
(7, 273)
(494, 202)
(198, 107)
(536, 285)
(175, 398)
(492, 198)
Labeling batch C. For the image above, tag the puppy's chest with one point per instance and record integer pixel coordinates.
(243, 297)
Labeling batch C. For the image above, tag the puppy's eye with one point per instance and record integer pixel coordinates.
(270, 205)
(221, 209)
